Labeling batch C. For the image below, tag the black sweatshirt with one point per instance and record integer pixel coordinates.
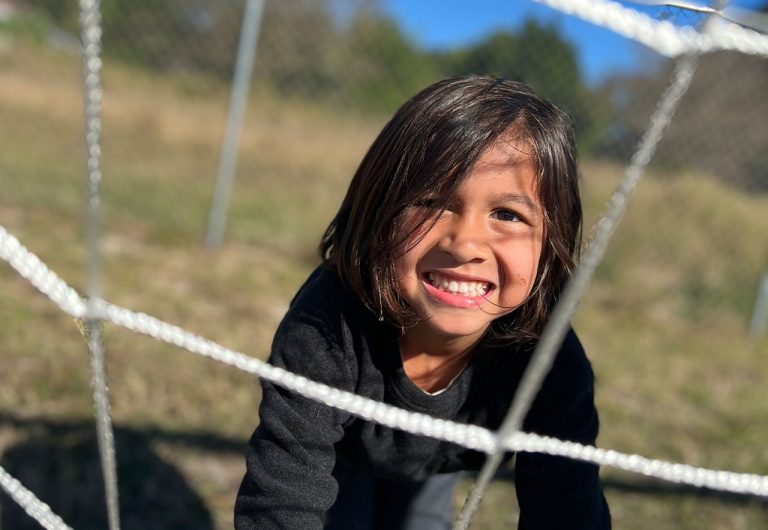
(329, 336)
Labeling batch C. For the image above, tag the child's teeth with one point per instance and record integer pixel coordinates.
(456, 287)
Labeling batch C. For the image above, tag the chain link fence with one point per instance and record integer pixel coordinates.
(680, 284)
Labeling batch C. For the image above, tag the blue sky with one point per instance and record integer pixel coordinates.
(437, 24)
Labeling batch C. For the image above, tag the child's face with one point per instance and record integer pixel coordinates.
(479, 260)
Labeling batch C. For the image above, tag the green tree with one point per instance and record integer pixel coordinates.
(298, 47)
(382, 66)
(718, 128)
(189, 35)
(63, 14)
(540, 56)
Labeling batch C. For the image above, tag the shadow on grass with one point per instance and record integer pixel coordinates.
(59, 462)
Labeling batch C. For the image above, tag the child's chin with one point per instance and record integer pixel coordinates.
(458, 327)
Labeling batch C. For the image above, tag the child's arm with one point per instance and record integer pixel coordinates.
(556, 492)
(288, 482)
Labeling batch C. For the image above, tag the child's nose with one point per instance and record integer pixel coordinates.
(466, 240)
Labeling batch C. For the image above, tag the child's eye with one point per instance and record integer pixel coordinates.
(507, 215)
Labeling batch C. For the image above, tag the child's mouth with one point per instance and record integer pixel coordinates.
(446, 284)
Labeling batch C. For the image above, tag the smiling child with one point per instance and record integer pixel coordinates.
(439, 271)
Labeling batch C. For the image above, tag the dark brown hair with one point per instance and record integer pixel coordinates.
(426, 150)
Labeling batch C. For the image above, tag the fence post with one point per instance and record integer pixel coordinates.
(760, 313)
(246, 53)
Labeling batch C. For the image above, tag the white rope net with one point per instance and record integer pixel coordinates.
(470, 436)
(36, 509)
(663, 37)
(90, 22)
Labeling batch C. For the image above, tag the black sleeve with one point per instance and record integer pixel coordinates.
(554, 492)
(288, 482)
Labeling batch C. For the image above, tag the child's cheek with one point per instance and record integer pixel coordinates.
(523, 281)
(405, 265)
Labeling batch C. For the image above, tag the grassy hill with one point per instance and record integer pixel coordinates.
(664, 323)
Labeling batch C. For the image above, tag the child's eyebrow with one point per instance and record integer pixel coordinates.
(522, 199)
